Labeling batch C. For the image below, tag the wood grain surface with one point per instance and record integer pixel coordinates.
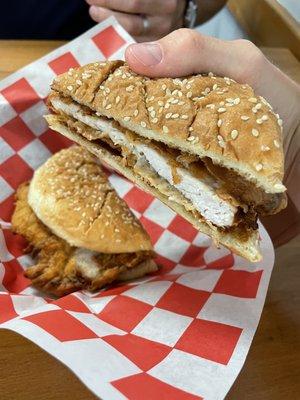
(271, 371)
(268, 23)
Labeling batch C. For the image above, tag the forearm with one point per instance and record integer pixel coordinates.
(207, 9)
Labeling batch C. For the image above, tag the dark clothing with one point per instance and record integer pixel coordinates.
(43, 19)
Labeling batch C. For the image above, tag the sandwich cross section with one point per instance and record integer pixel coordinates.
(205, 145)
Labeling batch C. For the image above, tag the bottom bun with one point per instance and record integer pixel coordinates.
(247, 248)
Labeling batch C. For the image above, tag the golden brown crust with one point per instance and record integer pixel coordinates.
(71, 195)
(244, 246)
(204, 115)
(57, 271)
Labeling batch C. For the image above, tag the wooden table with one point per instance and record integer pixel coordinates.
(272, 367)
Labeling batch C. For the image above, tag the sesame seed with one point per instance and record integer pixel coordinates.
(154, 120)
(167, 105)
(118, 99)
(129, 88)
(102, 87)
(108, 106)
(259, 121)
(174, 116)
(181, 103)
(221, 143)
(175, 101)
(215, 86)
(253, 100)
(264, 117)
(160, 103)
(190, 138)
(258, 106)
(189, 95)
(165, 129)
(174, 92)
(151, 108)
(276, 144)
(265, 148)
(168, 115)
(221, 110)
(152, 114)
(191, 129)
(70, 87)
(79, 82)
(254, 110)
(234, 134)
(258, 167)
(184, 116)
(212, 106)
(255, 132)
(107, 90)
(219, 123)
(136, 112)
(237, 101)
(164, 87)
(222, 103)
(279, 122)
(143, 124)
(188, 86)
(126, 118)
(244, 118)
(279, 186)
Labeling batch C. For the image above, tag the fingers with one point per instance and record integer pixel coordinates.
(134, 23)
(184, 52)
(153, 7)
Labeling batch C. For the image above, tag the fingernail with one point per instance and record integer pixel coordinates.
(148, 54)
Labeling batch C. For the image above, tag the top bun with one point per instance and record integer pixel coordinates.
(204, 115)
(71, 195)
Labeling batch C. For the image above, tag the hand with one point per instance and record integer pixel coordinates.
(186, 52)
(163, 15)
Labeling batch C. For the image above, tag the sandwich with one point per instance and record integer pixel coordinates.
(81, 233)
(206, 146)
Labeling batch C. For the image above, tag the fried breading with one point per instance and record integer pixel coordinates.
(57, 271)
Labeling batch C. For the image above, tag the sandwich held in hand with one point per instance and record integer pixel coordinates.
(83, 235)
(206, 146)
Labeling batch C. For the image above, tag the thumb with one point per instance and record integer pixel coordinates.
(186, 52)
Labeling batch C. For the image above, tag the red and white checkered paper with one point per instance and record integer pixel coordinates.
(182, 333)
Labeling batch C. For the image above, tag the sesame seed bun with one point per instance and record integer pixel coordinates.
(247, 247)
(71, 195)
(204, 115)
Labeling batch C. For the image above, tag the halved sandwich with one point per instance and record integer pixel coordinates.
(206, 146)
(81, 233)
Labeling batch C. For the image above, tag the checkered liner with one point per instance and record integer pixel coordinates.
(181, 334)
